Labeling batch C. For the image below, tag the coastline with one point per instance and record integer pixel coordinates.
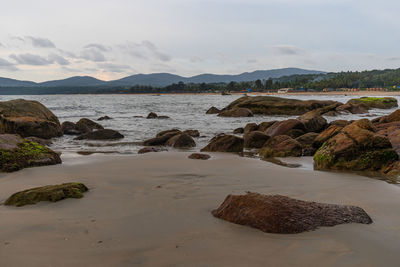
(154, 210)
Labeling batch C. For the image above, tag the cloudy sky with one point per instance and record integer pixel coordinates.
(51, 39)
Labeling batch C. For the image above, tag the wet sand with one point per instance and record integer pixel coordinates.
(154, 210)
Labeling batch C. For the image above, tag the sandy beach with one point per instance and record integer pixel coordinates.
(154, 210)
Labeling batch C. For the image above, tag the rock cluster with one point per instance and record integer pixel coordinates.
(173, 138)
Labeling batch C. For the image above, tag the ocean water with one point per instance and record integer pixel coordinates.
(185, 112)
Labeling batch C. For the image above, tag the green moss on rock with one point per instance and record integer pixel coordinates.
(50, 193)
(376, 102)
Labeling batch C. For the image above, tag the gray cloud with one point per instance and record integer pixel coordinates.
(54, 58)
(144, 50)
(152, 48)
(40, 42)
(1, 45)
(92, 55)
(393, 58)
(36, 60)
(4, 64)
(114, 67)
(100, 47)
(289, 50)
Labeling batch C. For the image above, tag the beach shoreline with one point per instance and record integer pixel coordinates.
(154, 210)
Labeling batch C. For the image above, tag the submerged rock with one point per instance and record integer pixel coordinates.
(200, 156)
(104, 118)
(192, 133)
(51, 193)
(104, 134)
(28, 118)
(181, 141)
(152, 115)
(225, 143)
(151, 149)
(283, 215)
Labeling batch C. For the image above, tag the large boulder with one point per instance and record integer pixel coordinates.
(283, 215)
(28, 118)
(250, 127)
(161, 138)
(104, 134)
(255, 139)
(192, 133)
(281, 146)
(392, 131)
(225, 143)
(313, 122)
(392, 117)
(236, 112)
(70, 128)
(181, 141)
(291, 127)
(375, 102)
(17, 153)
(85, 125)
(265, 125)
(357, 147)
(51, 193)
(270, 105)
(328, 133)
(307, 140)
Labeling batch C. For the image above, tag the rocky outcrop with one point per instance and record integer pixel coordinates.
(375, 102)
(283, 215)
(225, 143)
(17, 153)
(255, 139)
(270, 105)
(153, 115)
(358, 108)
(200, 156)
(104, 134)
(236, 112)
(392, 117)
(181, 141)
(291, 127)
(281, 146)
(51, 193)
(28, 118)
(330, 132)
(213, 110)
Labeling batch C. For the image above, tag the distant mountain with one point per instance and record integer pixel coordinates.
(159, 79)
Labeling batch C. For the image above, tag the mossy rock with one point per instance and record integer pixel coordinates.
(376, 102)
(50, 193)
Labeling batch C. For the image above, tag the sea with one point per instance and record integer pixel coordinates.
(128, 113)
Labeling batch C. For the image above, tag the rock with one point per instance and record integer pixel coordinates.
(238, 130)
(172, 131)
(392, 117)
(151, 149)
(200, 156)
(192, 133)
(325, 110)
(152, 115)
(70, 128)
(283, 215)
(40, 141)
(353, 108)
(392, 131)
(181, 141)
(17, 153)
(307, 140)
(28, 118)
(161, 138)
(51, 193)
(270, 105)
(225, 143)
(250, 127)
(104, 134)
(213, 110)
(330, 132)
(162, 117)
(85, 125)
(281, 146)
(375, 102)
(104, 118)
(236, 112)
(265, 125)
(356, 148)
(331, 113)
(313, 122)
(255, 139)
(291, 127)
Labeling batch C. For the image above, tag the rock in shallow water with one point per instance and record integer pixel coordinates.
(51, 193)
(199, 156)
(284, 215)
(225, 143)
(104, 134)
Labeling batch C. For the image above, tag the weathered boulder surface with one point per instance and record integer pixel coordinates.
(307, 140)
(192, 133)
(281, 146)
(149, 149)
(283, 215)
(291, 127)
(255, 139)
(181, 141)
(392, 117)
(265, 125)
(104, 134)
(357, 108)
(270, 105)
(250, 127)
(17, 153)
(375, 102)
(28, 118)
(330, 132)
(236, 112)
(357, 147)
(172, 131)
(70, 128)
(313, 122)
(225, 143)
(85, 125)
(200, 156)
(213, 110)
(51, 193)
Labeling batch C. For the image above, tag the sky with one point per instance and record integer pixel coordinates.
(50, 39)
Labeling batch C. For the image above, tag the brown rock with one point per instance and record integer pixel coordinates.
(284, 215)
(160, 140)
(307, 140)
(255, 139)
(225, 143)
(330, 132)
(313, 122)
(213, 110)
(238, 130)
(281, 146)
(250, 127)
(151, 149)
(104, 134)
(104, 118)
(200, 156)
(172, 131)
(265, 125)
(291, 127)
(181, 141)
(85, 125)
(192, 133)
(152, 115)
(353, 108)
(236, 112)
(70, 128)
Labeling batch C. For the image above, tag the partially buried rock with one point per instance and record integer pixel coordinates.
(105, 134)
(225, 143)
(151, 149)
(104, 118)
(236, 112)
(17, 153)
(213, 110)
(181, 141)
(51, 193)
(199, 156)
(283, 215)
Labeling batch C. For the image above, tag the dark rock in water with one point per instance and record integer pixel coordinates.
(151, 149)
(160, 140)
(238, 130)
(250, 127)
(181, 141)
(213, 110)
(283, 215)
(291, 127)
(353, 108)
(40, 141)
(375, 102)
(104, 118)
(28, 118)
(85, 125)
(236, 112)
(70, 128)
(104, 134)
(163, 117)
(307, 140)
(270, 105)
(51, 193)
(330, 132)
(313, 122)
(265, 125)
(392, 131)
(281, 146)
(199, 156)
(152, 115)
(331, 113)
(225, 143)
(17, 153)
(255, 139)
(392, 117)
(172, 131)
(192, 133)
